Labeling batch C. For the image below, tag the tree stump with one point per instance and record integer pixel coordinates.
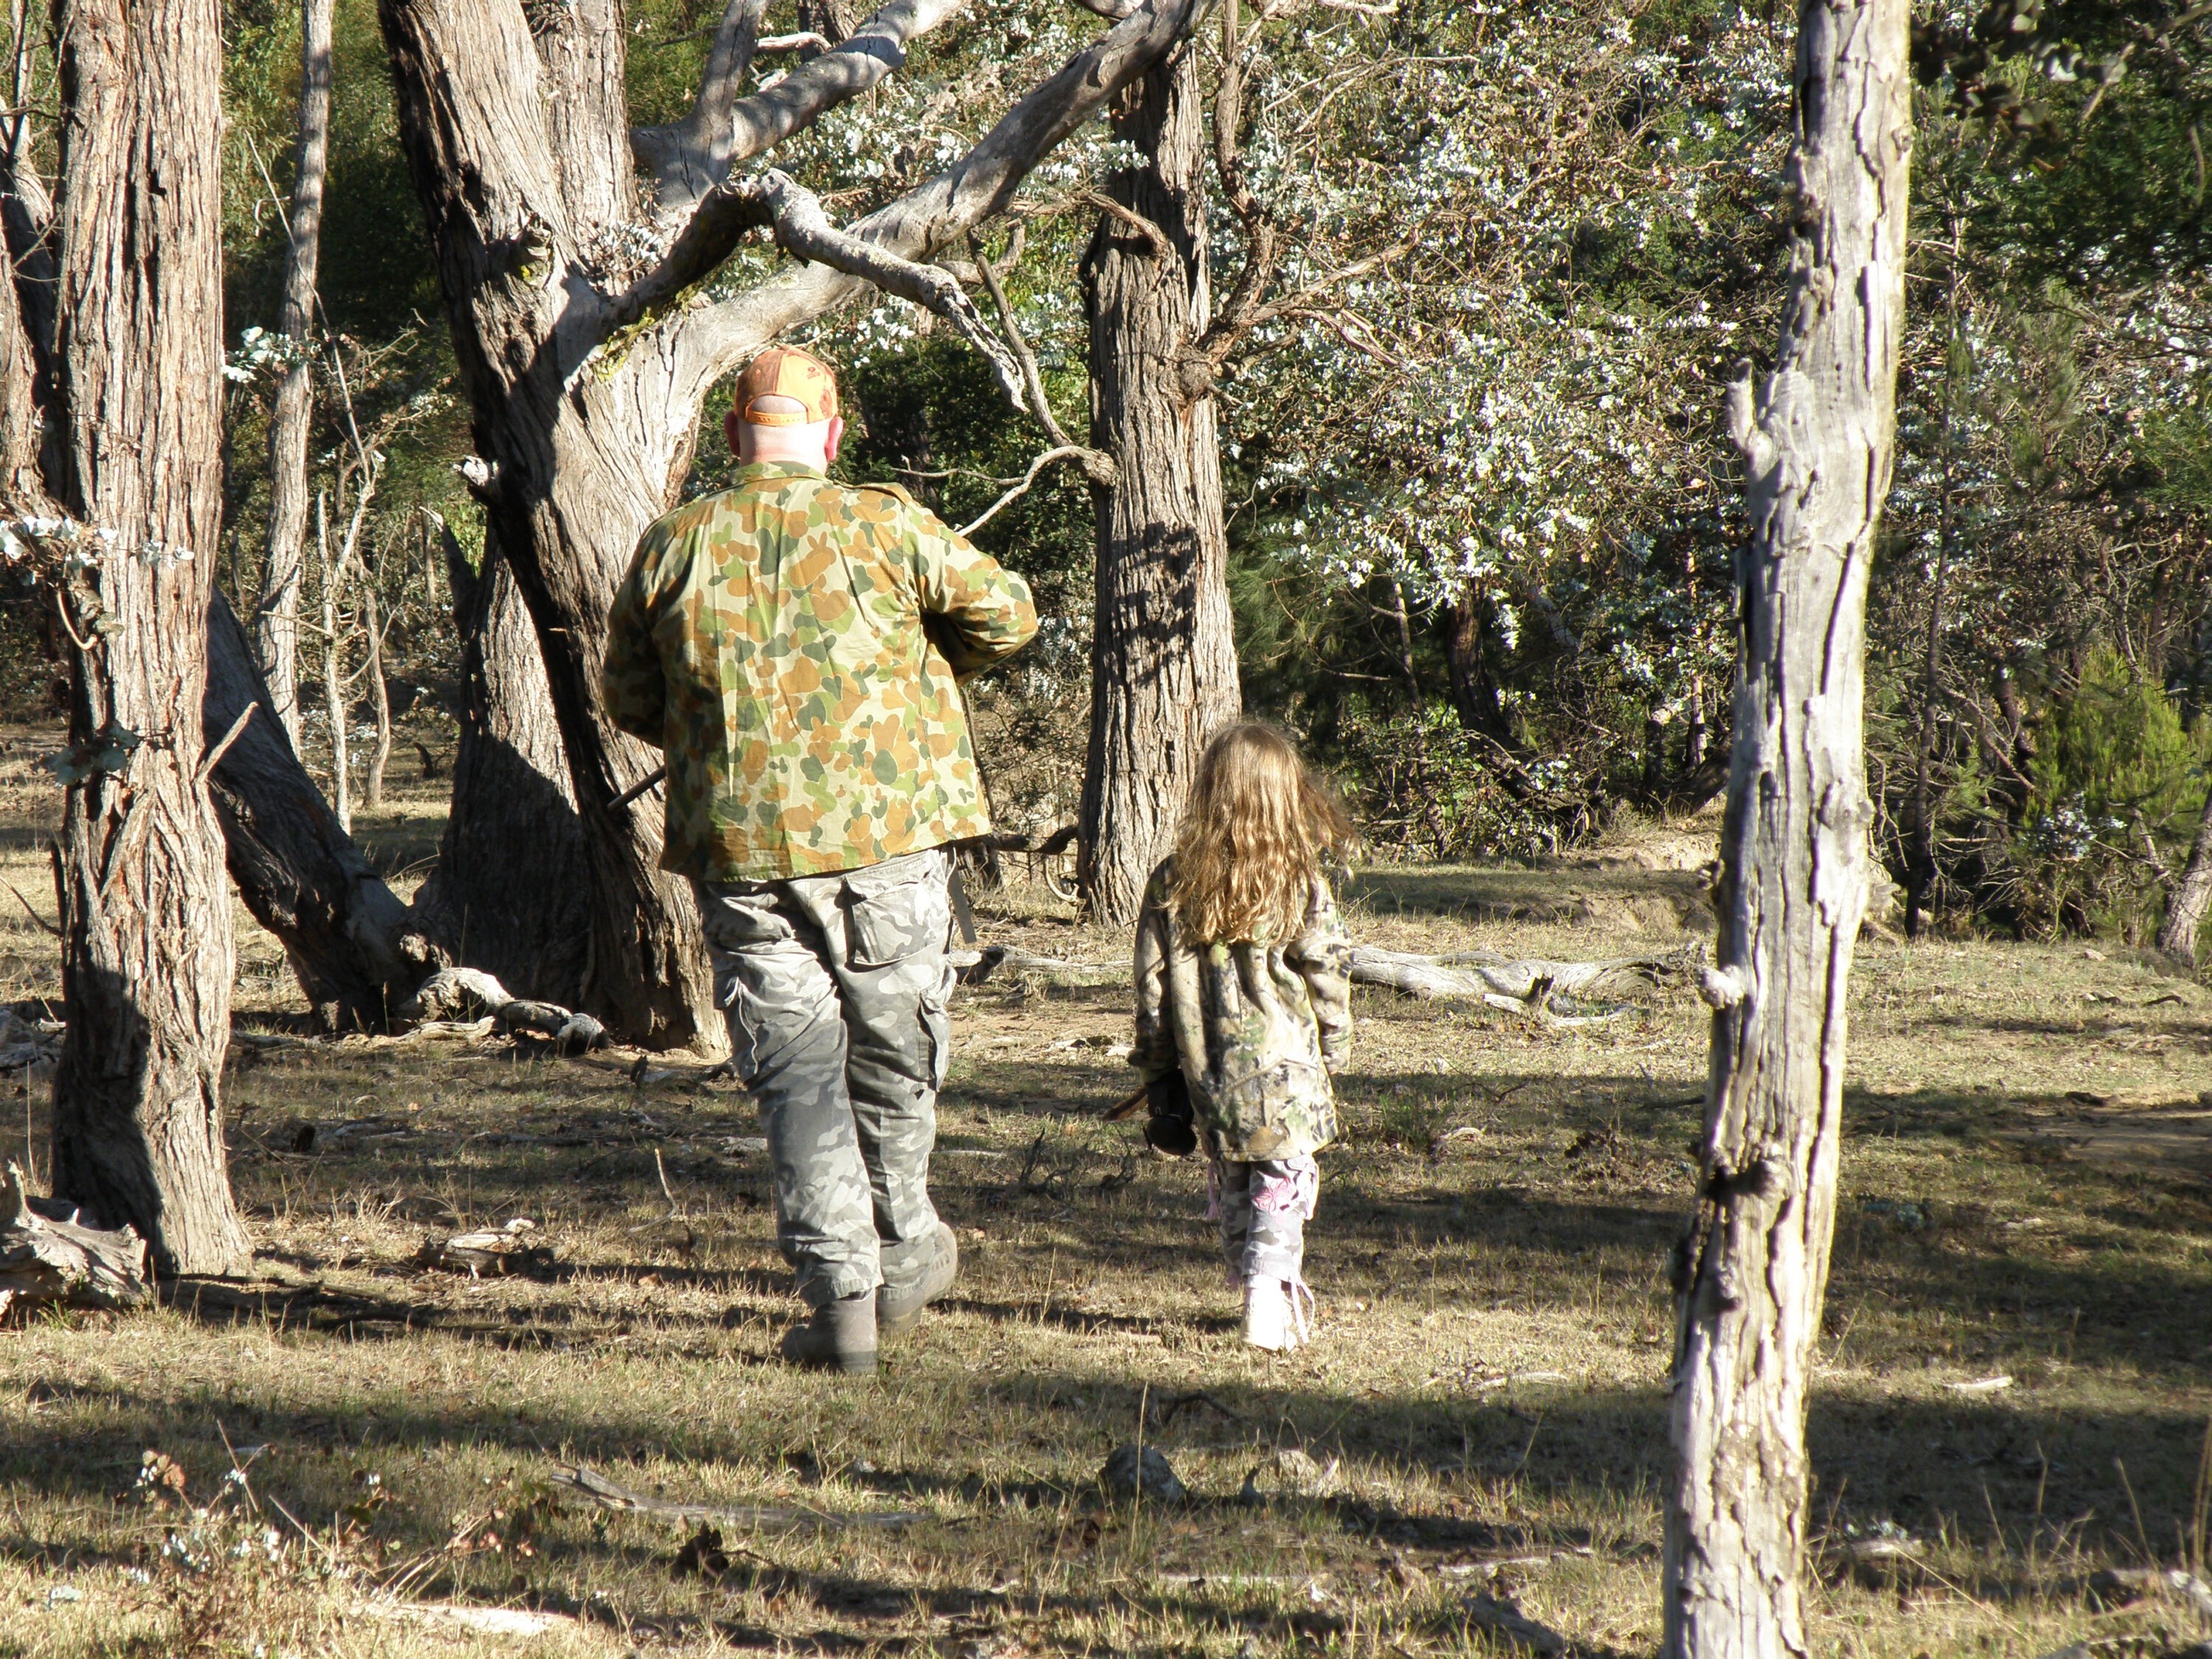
(46, 1255)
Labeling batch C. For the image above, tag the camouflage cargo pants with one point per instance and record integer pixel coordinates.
(1263, 1208)
(836, 989)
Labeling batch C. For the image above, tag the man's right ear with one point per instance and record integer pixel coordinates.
(733, 434)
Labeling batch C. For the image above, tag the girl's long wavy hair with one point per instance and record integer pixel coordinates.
(1254, 832)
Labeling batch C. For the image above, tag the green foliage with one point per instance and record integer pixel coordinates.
(2117, 746)
(2115, 773)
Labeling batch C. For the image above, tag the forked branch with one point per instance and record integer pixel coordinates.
(688, 157)
(972, 189)
(871, 51)
(803, 230)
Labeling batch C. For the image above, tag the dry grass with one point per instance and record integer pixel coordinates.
(1489, 1387)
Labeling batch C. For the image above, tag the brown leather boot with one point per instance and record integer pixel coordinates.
(898, 1312)
(840, 1336)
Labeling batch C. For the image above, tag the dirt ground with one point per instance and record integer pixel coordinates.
(358, 1453)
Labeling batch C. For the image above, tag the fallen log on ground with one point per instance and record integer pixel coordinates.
(1474, 976)
(452, 993)
(1515, 985)
(596, 1488)
(494, 1250)
(1011, 961)
(48, 1256)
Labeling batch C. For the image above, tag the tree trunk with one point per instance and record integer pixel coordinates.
(146, 949)
(277, 620)
(357, 951)
(526, 921)
(1752, 1268)
(1477, 700)
(575, 473)
(380, 695)
(1163, 673)
(2192, 895)
(334, 709)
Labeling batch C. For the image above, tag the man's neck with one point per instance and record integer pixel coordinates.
(813, 463)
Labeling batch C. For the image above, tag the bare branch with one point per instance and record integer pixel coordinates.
(1097, 466)
(688, 157)
(871, 51)
(1039, 405)
(723, 216)
(1236, 318)
(1303, 302)
(1112, 10)
(803, 230)
(1154, 236)
(969, 275)
(1064, 453)
(978, 186)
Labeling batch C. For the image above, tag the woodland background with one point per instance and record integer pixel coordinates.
(446, 1296)
(1481, 515)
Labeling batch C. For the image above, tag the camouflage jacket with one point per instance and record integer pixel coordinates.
(1258, 1030)
(792, 646)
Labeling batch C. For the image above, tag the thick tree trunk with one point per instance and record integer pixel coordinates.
(576, 471)
(357, 951)
(1163, 654)
(147, 952)
(1753, 1267)
(526, 921)
(2192, 895)
(278, 619)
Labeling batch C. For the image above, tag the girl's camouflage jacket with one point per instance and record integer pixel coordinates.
(1257, 1029)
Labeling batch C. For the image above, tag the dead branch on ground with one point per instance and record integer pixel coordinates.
(452, 993)
(585, 1483)
(48, 1256)
(1474, 976)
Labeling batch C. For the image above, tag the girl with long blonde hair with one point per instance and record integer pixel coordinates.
(1243, 1008)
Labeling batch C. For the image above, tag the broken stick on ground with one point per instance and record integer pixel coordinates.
(588, 1484)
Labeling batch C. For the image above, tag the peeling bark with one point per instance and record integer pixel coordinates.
(1752, 1268)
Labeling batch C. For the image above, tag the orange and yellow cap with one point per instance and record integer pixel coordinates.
(783, 372)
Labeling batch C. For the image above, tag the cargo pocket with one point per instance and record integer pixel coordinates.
(897, 909)
(937, 1026)
(734, 915)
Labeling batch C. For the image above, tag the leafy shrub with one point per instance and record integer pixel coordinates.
(2116, 776)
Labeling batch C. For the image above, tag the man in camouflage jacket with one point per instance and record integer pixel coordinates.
(793, 646)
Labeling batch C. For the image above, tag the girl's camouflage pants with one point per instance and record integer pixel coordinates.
(836, 989)
(1263, 1209)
